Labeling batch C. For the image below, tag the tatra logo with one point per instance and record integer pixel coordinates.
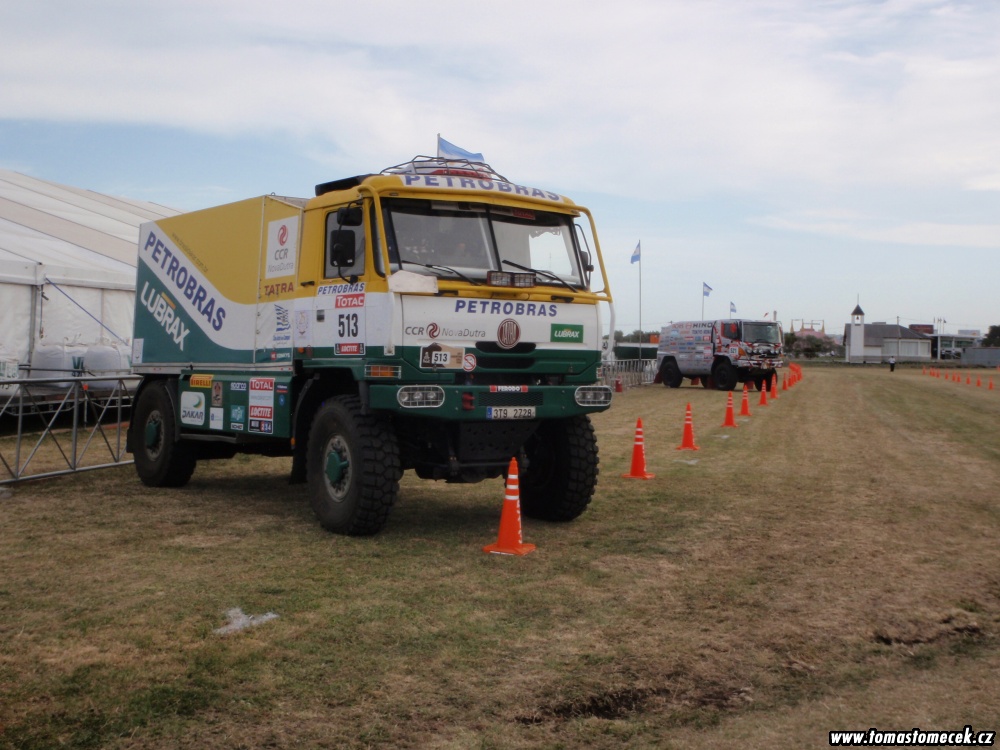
(508, 333)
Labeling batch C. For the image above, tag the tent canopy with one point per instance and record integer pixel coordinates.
(67, 264)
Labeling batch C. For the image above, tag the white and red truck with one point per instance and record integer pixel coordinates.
(720, 353)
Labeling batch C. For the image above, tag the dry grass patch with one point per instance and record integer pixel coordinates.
(830, 563)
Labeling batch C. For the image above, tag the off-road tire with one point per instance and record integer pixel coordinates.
(160, 461)
(358, 503)
(562, 470)
(725, 376)
(670, 374)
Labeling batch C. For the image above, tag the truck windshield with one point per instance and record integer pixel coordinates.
(465, 240)
(766, 333)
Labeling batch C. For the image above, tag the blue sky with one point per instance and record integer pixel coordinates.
(798, 156)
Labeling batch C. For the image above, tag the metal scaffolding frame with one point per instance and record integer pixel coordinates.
(81, 424)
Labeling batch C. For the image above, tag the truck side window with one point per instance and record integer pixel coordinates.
(729, 330)
(339, 261)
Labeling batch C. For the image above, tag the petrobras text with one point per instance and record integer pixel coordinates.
(473, 183)
(186, 280)
(496, 307)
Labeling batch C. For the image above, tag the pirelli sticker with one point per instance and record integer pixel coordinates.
(201, 381)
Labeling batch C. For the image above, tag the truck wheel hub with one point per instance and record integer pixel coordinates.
(338, 463)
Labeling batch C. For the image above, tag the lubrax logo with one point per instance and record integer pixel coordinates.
(164, 312)
(566, 333)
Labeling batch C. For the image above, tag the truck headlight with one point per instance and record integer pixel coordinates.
(420, 396)
(593, 395)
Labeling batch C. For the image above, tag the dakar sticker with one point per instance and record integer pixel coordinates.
(193, 408)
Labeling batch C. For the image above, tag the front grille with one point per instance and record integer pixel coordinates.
(531, 398)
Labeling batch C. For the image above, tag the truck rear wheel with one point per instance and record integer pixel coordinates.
(670, 374)
(562, 471)
(160, 461)
(352, 467)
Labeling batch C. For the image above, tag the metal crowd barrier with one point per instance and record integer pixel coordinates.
(628, 373)
(55, 426)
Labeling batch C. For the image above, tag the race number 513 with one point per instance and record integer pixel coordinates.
(347, 325)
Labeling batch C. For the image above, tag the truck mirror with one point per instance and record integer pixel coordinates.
(341, 247)
(349, 216)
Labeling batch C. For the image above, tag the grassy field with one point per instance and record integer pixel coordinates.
(831, 563)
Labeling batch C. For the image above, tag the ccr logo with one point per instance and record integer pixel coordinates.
(433, 330)
(283, 234)
(414, 330)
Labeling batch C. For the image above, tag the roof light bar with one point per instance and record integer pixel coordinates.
(507, 278)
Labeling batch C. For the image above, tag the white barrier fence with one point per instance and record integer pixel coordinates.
(630, 372)
(55, 426)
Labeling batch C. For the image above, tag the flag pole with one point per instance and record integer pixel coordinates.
(640, 308)
(703, 300)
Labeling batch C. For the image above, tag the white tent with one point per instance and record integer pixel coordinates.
(67, 268)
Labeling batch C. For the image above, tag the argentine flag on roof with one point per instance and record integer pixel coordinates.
(637, 253)
(705, 289)
(447, 150)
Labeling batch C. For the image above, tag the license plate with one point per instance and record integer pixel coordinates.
(510, 412)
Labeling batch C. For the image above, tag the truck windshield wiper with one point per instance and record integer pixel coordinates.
(546, 274)
(433, 266)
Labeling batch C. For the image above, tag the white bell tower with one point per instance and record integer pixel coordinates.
(856, 343)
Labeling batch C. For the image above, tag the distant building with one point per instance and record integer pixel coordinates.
(876, 342)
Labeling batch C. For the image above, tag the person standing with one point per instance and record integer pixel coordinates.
(892, 364)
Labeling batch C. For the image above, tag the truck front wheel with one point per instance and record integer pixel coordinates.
(352, 468)
(562, 470)
(725, 376)
(160, 461)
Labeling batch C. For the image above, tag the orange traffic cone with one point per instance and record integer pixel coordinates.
(509, 539)
(784, 383)
(730, 420)
(774, 387)
(991, 385)
(745, 408)
(695, 381)
(687, 442)
(979, 382)
(763, 397)
(638, 470)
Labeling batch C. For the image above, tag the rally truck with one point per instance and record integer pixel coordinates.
(719, 353)
(433, 317)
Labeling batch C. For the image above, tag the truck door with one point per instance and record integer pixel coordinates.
(338, 324)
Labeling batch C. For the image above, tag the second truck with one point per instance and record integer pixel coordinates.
(719, 353)
(433, 317)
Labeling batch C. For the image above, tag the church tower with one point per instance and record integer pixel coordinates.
(856, 336)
